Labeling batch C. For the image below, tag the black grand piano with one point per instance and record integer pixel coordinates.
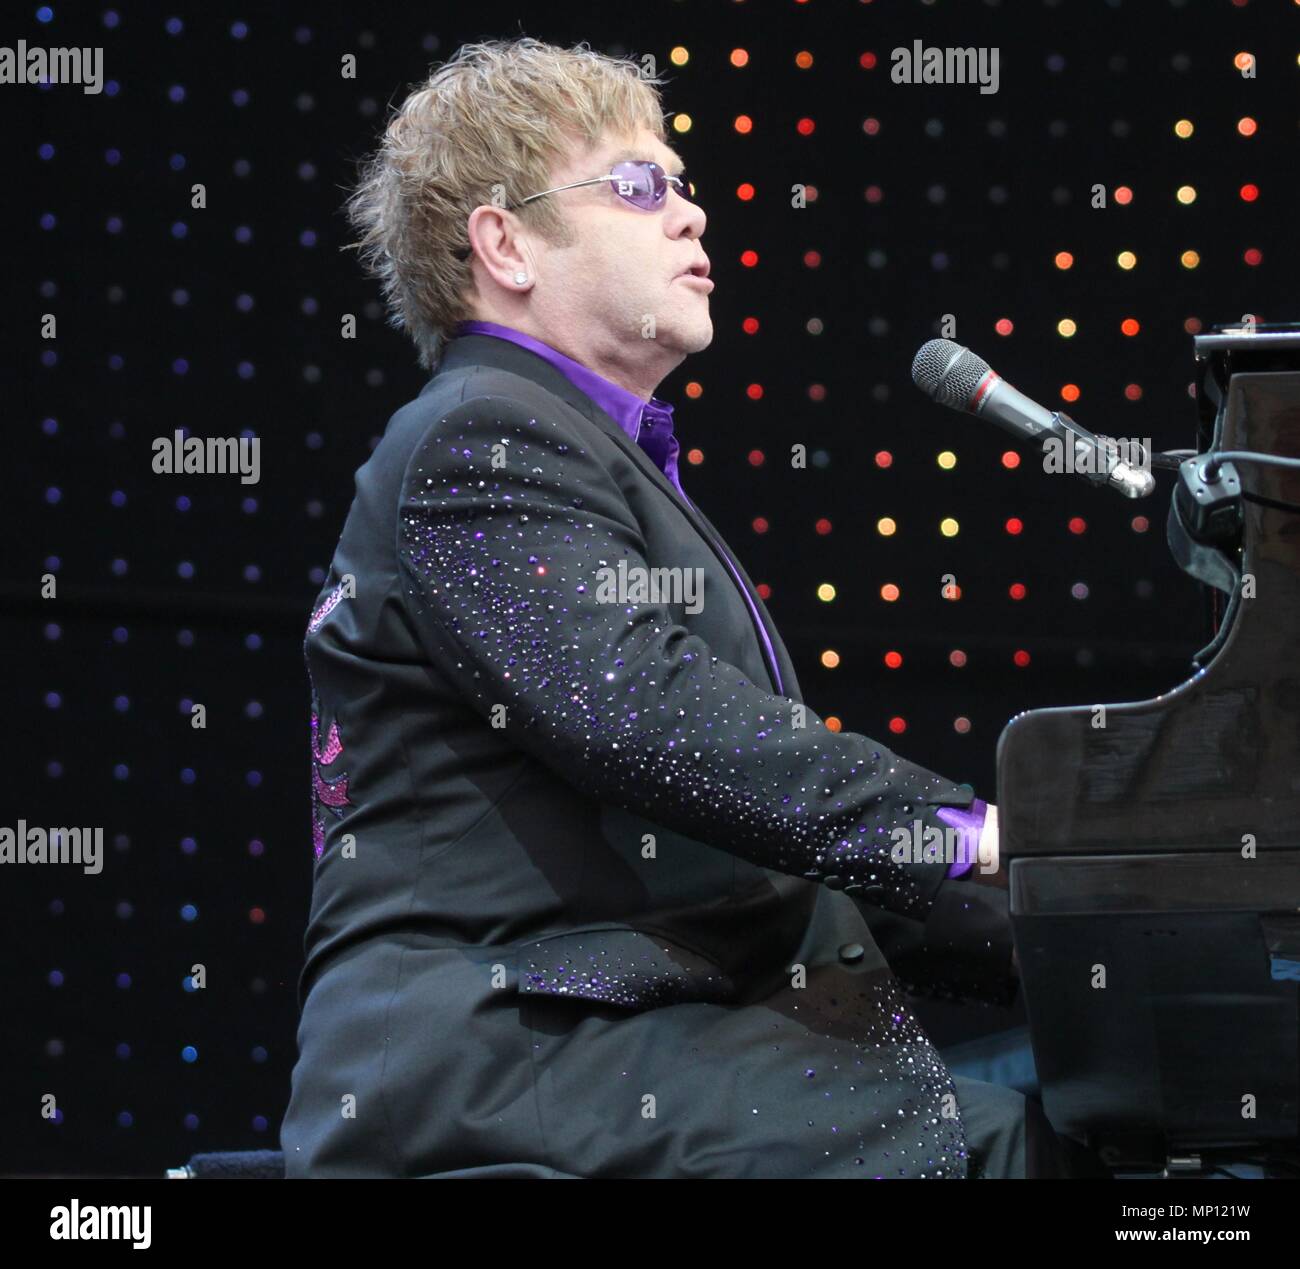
(1154, 845)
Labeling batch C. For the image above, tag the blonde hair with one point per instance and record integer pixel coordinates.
(494, 120)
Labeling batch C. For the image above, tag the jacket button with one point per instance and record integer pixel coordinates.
(852, 952)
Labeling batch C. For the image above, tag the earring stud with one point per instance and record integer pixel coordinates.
(521, 277)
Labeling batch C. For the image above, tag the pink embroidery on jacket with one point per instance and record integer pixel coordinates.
(331, 794)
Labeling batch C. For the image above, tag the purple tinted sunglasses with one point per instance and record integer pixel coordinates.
(640, 182)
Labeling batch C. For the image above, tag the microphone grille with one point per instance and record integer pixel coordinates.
(948, 373)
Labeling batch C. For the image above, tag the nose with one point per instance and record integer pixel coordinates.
(683, 218)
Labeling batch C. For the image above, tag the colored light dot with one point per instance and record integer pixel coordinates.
(898, 726)
(822, 527)
(1184, 128)
(1130, 326)
(1253, 256)
(1190, 259)
(694, 390)
(1017, 590)
(1186, 194)
(946, 459)
(1064, 260)
(957, 657)
(756, 458)
(803, 59)
(682, 123)
(1133, 392)
(1077, 525)
(749, 258)
(867, 61)
(1004, 326)
(257, 916)
(1021, 658)
(1123, 195)
(744, 125)
(1244, 61)
(1249, 193)
(1066, 327)
(759, 524)
(764, 591)
(949, 527)
(1247, 126)
(679, 56)
(1070, 392)
(1010, 459)
(886, 527)
(871, 127)
(745, 192)
(750, 326)
(812, 259)
(833, 723)
(805, 127)
(826, 592)
(1014, 526)
(961, 725)
(893, 659)
(889, 592)
(1126, 260)
(951, 592)
(830, 658)
(754, 391)
(1079, 590)
(695, 457)
(884, 458)
(739, 57)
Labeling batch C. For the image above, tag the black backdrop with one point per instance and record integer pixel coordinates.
(175, 590)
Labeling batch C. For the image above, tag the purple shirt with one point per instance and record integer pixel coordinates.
(650, 425)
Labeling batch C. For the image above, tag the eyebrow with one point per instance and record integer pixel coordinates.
(676, 169)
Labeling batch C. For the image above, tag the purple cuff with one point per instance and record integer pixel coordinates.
(971, 824)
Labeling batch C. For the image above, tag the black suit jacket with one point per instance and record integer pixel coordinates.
(591, 895)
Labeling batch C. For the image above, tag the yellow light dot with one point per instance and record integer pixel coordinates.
(1066, 326)
(947, 460)
(886, 527)
(1190, 259)
(681, 123)
(1184, 128)
(679, 56)
(1186, 194)
(1126, 260)
(826, 592)
(949, 527)
(830, 658)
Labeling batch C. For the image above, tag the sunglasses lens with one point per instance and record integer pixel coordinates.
(641, 184)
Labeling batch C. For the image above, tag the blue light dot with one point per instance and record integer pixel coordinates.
(244, 303)
(46, 151)
(125, 910)
(185, 569)
(176, 93)
(180, 297)
(189, 1053)
(179, 229)
(309, 306)
(191, 1121)
(121, 704)
(52, 495)
(307, 238)
(49, 357)
(189, 912)
(189, 846)
(245, 370)
(248, 506)
(238, 30)
(123, 981)
(124, 1119)
(118, 498)
(173, 26)
(53, 700)
(112, 88)
(111, 18)
(259, 1123)
(188, 775)
(253, 779)
(48, 220)
(259, 1053)
(119, 567)
(240, 97)
(121, 634)
(256, 848)
(54, 769)
(182, 503)
(121, 772)
(176, 162)
(114, 224)
(53, 631)
(55, 978)
(253, 642)
(49, 426)
(253, 709)
(243, 234)
(45, 14)
(252, 573)
(123, 1051)
(116, 361)
(180, 366)
(185, 638)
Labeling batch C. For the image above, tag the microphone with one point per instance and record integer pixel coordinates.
(954, 376)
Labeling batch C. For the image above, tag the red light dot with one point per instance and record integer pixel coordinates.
(1133, 391)
(1140, 524)
(1015, 526)
(812, 259)
(757, 458)
(889, 592)
(257, 916)
(1078, 525)
(806, 127)
(695, 457)
(867, 61)
(884, 458)
(749, 258)
(1247, 126)
(1017, 590)
(1070, 392)
(1253, 256)
(1021, 658)
(871, 127)
(957, 657)
(1123, 195)
(823, 526)
(1249, 193)
(1010, 460)
(961, 725)
(893, 659)
(750, 326)
(764, 591)
(745, 192)
(754, 392)
(1064, 260)
(873, 194)
(759, 524)
(739, 57)
(898, 726)
(833, 723)
(816, 392)
(1004, 326)
(1130, 326)
(744, 124)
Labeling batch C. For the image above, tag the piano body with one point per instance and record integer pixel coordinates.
(1154, 845)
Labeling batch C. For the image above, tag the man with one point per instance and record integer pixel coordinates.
(592, 885)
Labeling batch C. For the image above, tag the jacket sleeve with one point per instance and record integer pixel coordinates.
(509, 533)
